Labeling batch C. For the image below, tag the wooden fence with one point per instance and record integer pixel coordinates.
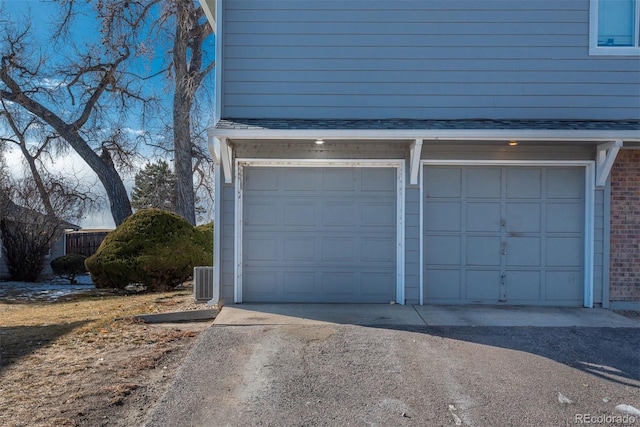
(84, 242)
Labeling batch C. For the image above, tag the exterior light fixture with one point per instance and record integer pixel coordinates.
(513, 143)
(319, 141)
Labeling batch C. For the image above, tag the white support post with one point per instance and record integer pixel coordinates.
(414, 168)
(226, 154)
(214, 149)
(604, 162)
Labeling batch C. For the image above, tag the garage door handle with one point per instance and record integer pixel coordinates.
(504, 252)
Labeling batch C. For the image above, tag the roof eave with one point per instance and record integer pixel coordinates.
(533, 135)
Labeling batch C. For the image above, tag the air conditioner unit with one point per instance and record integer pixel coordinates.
(203, 284)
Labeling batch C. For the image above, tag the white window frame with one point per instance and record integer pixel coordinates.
(594, 49)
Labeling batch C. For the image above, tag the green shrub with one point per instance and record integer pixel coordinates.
(69, 266)
(154, 247)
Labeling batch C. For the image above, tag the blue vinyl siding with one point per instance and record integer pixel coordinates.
(422, 59)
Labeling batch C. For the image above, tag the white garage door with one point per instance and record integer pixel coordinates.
(504, 234)
(314, 234)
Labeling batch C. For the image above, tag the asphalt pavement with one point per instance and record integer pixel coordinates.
(321, 370)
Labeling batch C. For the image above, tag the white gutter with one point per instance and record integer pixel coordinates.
(539, 135)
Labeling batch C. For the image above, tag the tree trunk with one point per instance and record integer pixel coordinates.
(185, 203)
(116, 193)
(182, 101)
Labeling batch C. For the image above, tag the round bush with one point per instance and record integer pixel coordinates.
(154, 247)
(69, 266)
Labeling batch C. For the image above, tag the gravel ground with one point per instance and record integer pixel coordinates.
(360, 376)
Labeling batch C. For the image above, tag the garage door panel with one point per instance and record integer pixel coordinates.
(262, 213)
(443, 182)
(524, 286)
(565, 218)
(564, 251)
(378, 249)
(563, 285)
(299, 213)
(262, 180)
(523, 218)
(482, 285)
(565, 183)
(519, 227)
(523, 183)
(320, 237)
(338, 214)
(483, 183)
(442, 284)
(375, 214)
(339, 180)
(341, 249)
(443, 216)
(523, 251)
(305, 180)
(484, 250)
(483, 216)
(299, 249)
(338, 283)
(376, 284)
(261, 249)
(299, 282)
(443, 250)
(261, 285)
(383, 180)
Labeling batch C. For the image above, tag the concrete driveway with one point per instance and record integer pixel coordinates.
(378, 365)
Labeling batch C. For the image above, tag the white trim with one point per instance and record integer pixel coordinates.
(606, 157)
(217, 113)
(589, 224)
(217, 234)
(209, 13)
(421, 236)
(400, 200)
(237, 235)
(226, 156)
(414, 163)
(595, 50)
(213, 144)
(433, 135)
(589, 215)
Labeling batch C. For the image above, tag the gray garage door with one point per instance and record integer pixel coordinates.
(319, 234)
(504, 234)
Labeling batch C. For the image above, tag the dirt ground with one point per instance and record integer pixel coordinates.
(81, 361)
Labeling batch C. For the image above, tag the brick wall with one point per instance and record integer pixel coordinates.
(625, 227)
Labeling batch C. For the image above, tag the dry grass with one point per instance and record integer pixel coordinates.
(74, 363)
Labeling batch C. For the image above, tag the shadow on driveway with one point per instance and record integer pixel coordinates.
(596, 341)
(609, 353)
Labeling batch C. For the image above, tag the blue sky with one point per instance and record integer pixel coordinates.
(43, 15)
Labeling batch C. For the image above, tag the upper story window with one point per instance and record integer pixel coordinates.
(614, 27)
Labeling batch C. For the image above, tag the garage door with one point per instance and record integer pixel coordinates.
(314, 234)
(504, 234)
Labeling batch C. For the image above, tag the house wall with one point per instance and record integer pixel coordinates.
(422, 59)
(400, 150)
(625, 229)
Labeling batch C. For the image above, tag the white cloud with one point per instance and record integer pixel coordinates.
(72, 165)
(51, 84)
(135, 132)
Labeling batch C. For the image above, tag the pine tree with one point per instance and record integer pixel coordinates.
(154, 187)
